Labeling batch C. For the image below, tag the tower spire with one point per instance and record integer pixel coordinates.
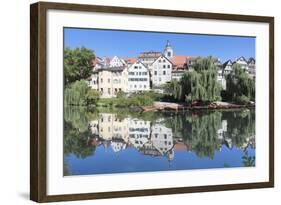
(168, 51)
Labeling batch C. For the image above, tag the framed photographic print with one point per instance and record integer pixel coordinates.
(133, 102)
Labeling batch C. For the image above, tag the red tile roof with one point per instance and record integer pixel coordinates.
(130, 60)
(179, 61)
(181, 146)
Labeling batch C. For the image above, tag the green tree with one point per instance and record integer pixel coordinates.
(77, 64)
(77, 142)
(79, 93)
(247, 160)
(197, 85)
(240, 87)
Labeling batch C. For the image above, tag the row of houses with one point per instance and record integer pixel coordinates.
(151, 70)
(154, 139)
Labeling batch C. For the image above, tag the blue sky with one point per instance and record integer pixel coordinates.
(130, 44)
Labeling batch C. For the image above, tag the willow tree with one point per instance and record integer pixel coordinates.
(203, 139)
(77, 64)
(201, 83)
(240, 87)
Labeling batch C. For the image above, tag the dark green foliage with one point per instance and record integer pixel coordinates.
(76, 141)
(240, 87)
(241, 125)
(123, 101)
(247, 160)
(199, 129)
(77, 133)
(77, 64)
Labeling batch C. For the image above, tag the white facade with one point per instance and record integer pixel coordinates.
(243, 63)
(147, 58)
(221, 78)
(110, 81)
(161, 71)
(138, 78)
(112, 128)
(177, 74)
(168, 51)
(117, 62)
(227, 67)
(252, 67)
(162, 140)
(139, 132)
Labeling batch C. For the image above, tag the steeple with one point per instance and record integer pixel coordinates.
(168, 51)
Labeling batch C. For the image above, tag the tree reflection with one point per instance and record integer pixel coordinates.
(159, 134)
(77, 134)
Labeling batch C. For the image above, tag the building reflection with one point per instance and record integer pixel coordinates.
(152, 139)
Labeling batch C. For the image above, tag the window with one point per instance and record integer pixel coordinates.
(108, 90)
(164, 61)
(159, 61)
(155, 72)
(164, 66)
(168, 66)
(139, 73)
(164, 72)
(101, 80)
(169, 54)
(144, 87)
(136, 67)
(108, 80)
(135, 86)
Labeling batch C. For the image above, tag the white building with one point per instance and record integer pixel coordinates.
(168, 51)
(147, 58)
(139, 132)
(162, 140)
(117, 146)
(252, 67)
(117, 62)
(177, 74)
(161, 71)
(227, 67)
(112, 128)
(243, 63)
(138, 78)
(109, 81)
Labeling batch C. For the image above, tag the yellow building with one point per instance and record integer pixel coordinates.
(109, 81)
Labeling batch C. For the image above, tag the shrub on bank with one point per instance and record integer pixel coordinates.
(78, 93)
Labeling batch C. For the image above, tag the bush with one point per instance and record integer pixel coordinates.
(92, 97)
(78, 93)
(242, 100)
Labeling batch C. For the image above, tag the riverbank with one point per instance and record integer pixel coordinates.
(167, 106)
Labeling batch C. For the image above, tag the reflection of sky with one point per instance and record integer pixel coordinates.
(130, 160)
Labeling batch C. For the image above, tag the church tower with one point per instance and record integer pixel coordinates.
(168, 51)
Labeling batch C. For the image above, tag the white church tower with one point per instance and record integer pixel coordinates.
(168, 51)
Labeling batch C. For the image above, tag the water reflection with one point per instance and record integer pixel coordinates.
(92, 140)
